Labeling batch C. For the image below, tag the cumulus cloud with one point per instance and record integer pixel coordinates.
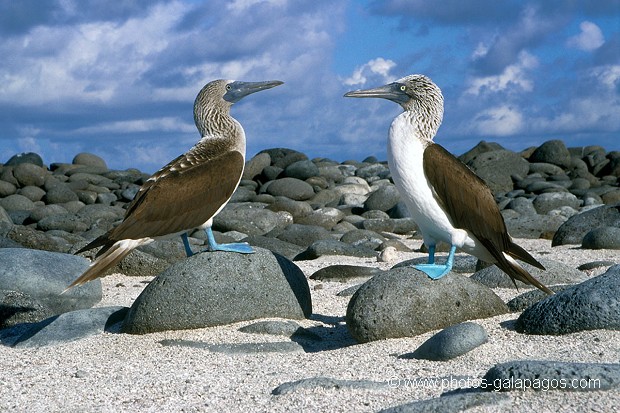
(498, 121)
(590, 38)
(513, 77)
(375, 68)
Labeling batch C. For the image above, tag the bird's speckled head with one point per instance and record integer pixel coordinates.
(212, 105)
(417, 94)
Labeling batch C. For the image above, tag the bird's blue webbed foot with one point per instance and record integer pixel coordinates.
(240, 247)
(436, 271)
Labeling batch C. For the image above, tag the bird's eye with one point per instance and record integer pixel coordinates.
(228, 87)
(403, 88)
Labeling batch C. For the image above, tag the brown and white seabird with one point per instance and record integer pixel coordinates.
(446, 199)
(189, 191)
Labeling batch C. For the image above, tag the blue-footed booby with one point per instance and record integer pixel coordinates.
(445, 198)
(190, 190)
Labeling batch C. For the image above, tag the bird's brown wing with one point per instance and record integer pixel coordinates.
(469, 203)
(183, 195)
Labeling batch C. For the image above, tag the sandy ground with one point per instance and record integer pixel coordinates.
(120, 372)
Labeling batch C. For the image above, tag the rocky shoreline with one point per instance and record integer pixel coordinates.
(324, 232)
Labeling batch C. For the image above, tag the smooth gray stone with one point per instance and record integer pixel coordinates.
(65, 222)
(303, 170)
(576, 227)
(405, 302)
(344, 273)
(70, 326)
(602, 238)
(44, 275)
(40, 212)
(462, 263)
(555, 273)
(522, 205)
(28, 174)
(596, 264)
(326, 217)
(295, 208)
(238, 348)
(533, 226)
(60, 194)
(348, 292)
(593, 304)
(218, 288)
(16, 202)
(549, 201)
(543, 375)
(369, 171)
(292, 188)
(33, 193)
(451, 342)
(304, 235)
(334, 247)
(254, 167)
(453, 403)
(283, 157)
(251, 221)
(480, 148)
(89, 159)
(286, 328)
(383, 199)
(327, 383)
(6, 189)
(363, 238)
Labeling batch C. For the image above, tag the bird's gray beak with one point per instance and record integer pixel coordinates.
(238, 90)
(391, 92)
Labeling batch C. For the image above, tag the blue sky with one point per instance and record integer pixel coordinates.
(119, 79)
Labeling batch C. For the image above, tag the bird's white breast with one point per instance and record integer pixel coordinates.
(405, 158)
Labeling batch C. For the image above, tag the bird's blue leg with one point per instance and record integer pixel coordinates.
(240, 247)
(431, 254)
(188, 250)
(436, 271)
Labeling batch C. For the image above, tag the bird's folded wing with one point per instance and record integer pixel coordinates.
(465, 197)
(183, 195)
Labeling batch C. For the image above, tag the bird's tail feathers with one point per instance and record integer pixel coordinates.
(517, 252)
(516, 272)
(105, 261)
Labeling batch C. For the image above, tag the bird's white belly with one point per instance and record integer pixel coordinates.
(405, 159)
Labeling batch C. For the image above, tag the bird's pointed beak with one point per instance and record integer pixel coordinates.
(238, 90)
(391, 92)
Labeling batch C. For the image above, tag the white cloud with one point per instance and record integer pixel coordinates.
(590, 38)
(166, 124)
(498, 121)
(374, 67)
(514, 76)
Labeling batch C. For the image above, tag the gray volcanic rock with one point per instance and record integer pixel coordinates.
(70, 326)
(480, 148)
(591, 305)
(451, 342)
(405, 302)
(531, 297)
(553, 152)
(26, 157)
(327, 383)
(573, 230)
(60, 194)
(543, 375)
(344, 273)
(286, 249)
(602, 238)
(532, 226)
(43, 275)
(250, 221)
(334, 247)
(220, 288)
(555, 273)
(17, 307)
(453, 403)
(496, 168)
